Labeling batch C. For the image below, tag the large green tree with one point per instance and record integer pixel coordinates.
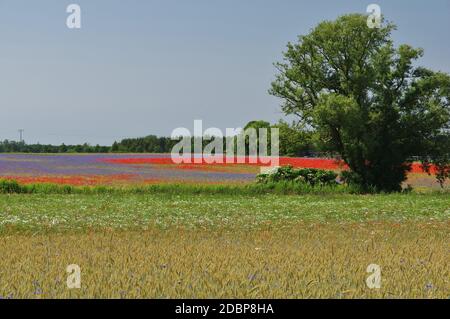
(294, 140)
(367, 99)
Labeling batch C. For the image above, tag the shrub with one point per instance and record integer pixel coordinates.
(310, 176)
(10, 187)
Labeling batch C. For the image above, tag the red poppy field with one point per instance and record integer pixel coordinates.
(133, 169)
(296, 162)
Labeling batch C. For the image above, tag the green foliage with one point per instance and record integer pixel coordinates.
(309, 176)
(366, 100)
(21, 147)
(10, 187)
(286, 186)
(148, 144)
(257, 125)
(295, 140)
(440, 160)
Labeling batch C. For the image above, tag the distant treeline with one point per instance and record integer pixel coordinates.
(293, 142)
(21, 147)
(148, 144)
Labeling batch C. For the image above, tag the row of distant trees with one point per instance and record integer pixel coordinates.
(293, 142)
(21, 147)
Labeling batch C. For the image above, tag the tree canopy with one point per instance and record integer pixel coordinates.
(367, 100)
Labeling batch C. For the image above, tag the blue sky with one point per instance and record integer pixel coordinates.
(146, 67)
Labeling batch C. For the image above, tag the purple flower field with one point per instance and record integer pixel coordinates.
(93, 169)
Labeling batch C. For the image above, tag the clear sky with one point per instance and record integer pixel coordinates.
(141, 67)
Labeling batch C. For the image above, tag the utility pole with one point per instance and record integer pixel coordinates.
(21, 134)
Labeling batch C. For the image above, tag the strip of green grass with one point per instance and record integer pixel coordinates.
(279, 188)
(84, 212)
(13, 187)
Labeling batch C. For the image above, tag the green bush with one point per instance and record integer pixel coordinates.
(309, 176)
(10, 187)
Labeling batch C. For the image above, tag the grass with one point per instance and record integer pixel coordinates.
(81, 212)
(188, 241)
(13, 187)
(279, 188)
